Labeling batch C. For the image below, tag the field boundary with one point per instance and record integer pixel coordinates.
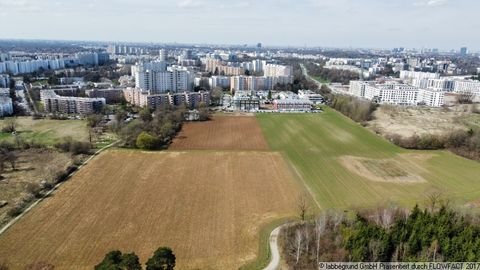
(304, 183)
(35, 203)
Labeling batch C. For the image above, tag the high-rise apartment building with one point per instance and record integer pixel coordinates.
(158, 78)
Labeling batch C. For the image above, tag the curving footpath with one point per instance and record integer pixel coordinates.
(275, 262)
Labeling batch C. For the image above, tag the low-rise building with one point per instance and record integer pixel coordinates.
(292, 105)
(113, 95)
(245, 101)
(310, 95)
(54, 103)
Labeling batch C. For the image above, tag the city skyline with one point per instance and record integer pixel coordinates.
(327, 23)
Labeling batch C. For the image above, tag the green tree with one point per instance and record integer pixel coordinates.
(112, 261)
(146, 141)
(130, 261)
(115, 260)
(163, 259)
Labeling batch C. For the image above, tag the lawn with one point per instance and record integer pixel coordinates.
(317, 144)
(321, 80)
(46, 131)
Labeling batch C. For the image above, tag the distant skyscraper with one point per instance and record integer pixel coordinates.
(163, 55)
(259, 45)
(464, 51)
(187, 54)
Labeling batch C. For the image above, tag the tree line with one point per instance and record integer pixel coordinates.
(163, 259)
(460, 142)
(436, 233)
(332, 75)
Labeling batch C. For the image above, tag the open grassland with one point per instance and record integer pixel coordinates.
(221, 133)
(408, 121)
(347, 166)
(46, 131)
(32, 167)
(208, 206)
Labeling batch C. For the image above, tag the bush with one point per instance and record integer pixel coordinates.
(34, 189)
(146, 141)
(354, 108)
(16, 210)
(74, 147)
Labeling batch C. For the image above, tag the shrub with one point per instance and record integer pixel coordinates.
(75, 147)
(146, 141)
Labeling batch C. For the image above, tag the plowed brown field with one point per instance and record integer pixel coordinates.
(207, 206)
(222, 133)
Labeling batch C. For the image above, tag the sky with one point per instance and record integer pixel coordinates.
(443, 24)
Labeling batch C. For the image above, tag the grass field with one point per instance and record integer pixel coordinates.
(208, 206)
(46, 131)
(316, 144)
(32, 166)
(221, 133)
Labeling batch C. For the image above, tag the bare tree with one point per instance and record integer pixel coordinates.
(387, 217)
(306, 233)
(337, 219)
(302, 207)
(320, 226)
(298, 243)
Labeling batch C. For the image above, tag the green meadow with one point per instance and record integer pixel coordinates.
(328, 152)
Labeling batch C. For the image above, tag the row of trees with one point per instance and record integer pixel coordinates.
(387, 234)
(356, 109)
(332, 75)
(162, 259)
(153, 130)
(464, 143)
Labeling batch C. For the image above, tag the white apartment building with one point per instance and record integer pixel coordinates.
(467, 86)
(271, 70)
(410, 76)
(257, 82)
(219, 81)
(158, 78)
(397, 94)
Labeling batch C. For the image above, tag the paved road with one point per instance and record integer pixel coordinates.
(275, 262)
(305, 73)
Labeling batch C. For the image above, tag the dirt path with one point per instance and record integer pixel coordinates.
(274, 249)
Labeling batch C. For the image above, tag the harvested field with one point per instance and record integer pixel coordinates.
(221, 133)
(207, 206)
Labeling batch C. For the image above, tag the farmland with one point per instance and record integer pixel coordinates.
(208, 206)
(317, 146)
(46, 131)
(222, 133)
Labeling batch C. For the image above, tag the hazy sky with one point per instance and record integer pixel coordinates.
(444, 24)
